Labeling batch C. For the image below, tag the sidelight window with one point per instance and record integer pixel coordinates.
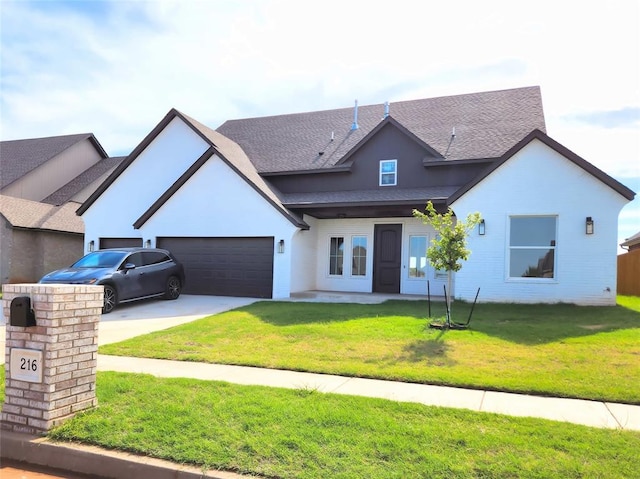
(336, 255)
(359, 256)
(417, 256)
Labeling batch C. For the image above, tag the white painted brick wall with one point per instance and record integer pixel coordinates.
(540, 181)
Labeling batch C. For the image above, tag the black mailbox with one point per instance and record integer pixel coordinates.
(20, 313)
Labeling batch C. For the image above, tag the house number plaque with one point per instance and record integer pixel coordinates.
(26, 365)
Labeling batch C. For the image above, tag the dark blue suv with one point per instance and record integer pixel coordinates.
(127, 274)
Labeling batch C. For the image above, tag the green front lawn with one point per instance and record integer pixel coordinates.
(560, 350)
(307, 435)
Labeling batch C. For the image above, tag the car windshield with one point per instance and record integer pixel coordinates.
(100, 259)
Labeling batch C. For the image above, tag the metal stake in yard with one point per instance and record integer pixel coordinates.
(466, 325)
(446, 302)
(448, 324)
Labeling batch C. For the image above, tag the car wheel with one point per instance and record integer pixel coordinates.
(110, 299)
(173, 289)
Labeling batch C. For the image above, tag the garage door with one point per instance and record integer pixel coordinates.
(224, 266)
(120, 242)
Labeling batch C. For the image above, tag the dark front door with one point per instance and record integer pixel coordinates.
(387, 249)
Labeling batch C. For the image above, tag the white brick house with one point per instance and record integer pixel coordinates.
(272, 206)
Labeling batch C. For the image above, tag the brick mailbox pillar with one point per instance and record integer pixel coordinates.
(50, 366)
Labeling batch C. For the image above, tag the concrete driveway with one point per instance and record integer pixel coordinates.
(133, 319)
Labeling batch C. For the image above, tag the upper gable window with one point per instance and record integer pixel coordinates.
(388, 172)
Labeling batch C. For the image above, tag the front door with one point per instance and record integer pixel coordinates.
(387, 247)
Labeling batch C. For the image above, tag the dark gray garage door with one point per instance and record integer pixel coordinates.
(120, 242)
(224, 266)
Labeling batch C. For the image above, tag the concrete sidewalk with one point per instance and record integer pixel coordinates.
(577, 411)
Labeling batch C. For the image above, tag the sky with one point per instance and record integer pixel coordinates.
(115, 68)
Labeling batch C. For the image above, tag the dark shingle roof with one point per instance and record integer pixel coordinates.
(486, 124)
(34, 215)
(75, 186)
(19, 157)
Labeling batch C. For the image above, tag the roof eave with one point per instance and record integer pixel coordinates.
(127, 161)
(559, 148)
(333, 169)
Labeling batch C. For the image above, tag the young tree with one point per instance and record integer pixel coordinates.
(449, 247)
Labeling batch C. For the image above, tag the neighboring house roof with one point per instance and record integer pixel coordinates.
(34, 215)
(75, 186)
(26, 155)
(633, 241)
(564, 151)
(225, 148)
(486, 125)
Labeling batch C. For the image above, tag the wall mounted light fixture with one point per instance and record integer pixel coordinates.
(481, 228)
(589, 225)
(147, 244)
(281, 246)
(92, 245)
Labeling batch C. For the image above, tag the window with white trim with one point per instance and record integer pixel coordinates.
(336, 255)
(359, 256)
(532, 246)
(417, 256)
(388, 172)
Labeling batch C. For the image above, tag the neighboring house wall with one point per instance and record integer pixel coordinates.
(37, 238)
(6, 247)
(58, 250)
(537, 180)
(33, 253)
(55, 173)
(629, 272)
(25, 258)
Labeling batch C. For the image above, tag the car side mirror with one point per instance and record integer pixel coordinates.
(129, 266)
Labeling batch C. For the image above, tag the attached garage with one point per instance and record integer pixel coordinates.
(120, 243)
(225, 266)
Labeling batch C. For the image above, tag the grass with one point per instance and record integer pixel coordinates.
(559, 350)
(307, 435)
